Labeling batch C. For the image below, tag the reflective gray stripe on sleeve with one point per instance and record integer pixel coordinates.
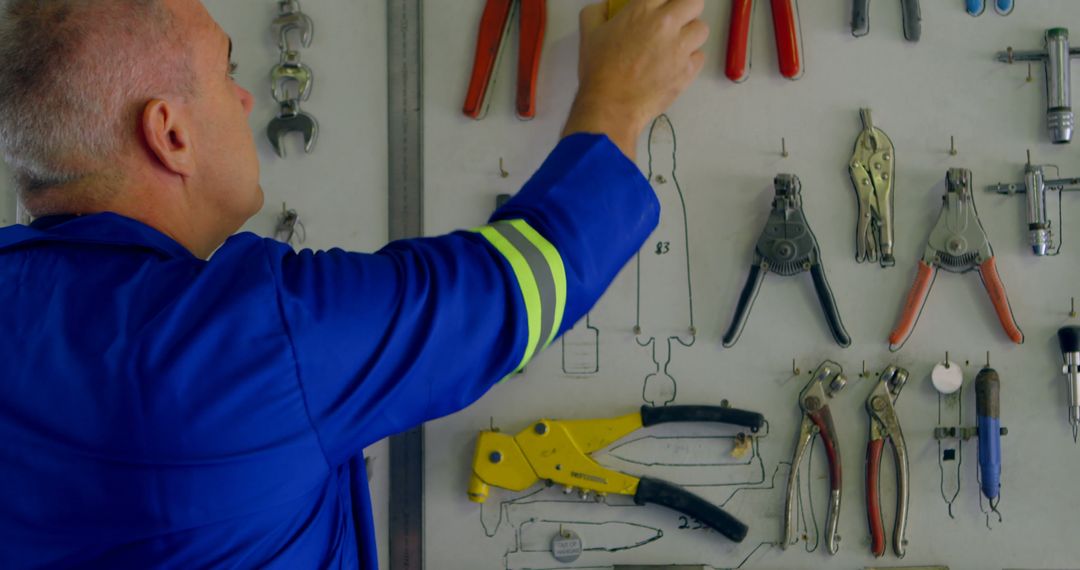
(545, 281)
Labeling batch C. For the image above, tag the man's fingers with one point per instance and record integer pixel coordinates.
(593, 16)
(683, 11)
(695, 34)
(697, 63)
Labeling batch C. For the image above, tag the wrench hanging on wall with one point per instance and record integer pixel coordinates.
(291, 80)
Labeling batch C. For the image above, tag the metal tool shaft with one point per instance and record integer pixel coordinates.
(1059, 114)
(1069, 339)
(1038, 224)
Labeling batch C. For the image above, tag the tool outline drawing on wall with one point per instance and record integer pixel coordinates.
(661, 266)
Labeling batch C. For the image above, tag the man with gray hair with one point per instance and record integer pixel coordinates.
(165, 407)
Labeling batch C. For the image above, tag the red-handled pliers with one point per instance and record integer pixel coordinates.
(494, 30)
(826, 381)
(957, 244)
(885, 425)
(788, 38)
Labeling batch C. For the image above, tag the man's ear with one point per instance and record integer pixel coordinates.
(168, 137)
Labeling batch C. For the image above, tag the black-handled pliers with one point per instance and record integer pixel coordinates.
(787, 247)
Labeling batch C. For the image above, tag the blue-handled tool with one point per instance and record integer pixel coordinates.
(988, 415)
(977, 7)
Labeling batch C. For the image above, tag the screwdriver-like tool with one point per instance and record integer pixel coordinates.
(1069, 337)
(988, 416)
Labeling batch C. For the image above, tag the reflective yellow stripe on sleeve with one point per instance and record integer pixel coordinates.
(540, 274)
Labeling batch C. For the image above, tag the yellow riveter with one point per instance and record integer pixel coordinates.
(557, 452)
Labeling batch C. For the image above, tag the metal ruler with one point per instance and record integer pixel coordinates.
(406, 145)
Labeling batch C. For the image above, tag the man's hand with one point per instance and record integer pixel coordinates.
(635, 66)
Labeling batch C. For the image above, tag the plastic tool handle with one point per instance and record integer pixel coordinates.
(737, 67)
(913, 305)
(912, 16)
(1004, 7)
(873, 496)
(988, 414)
(860, 18)
(975, 7)
(746, 301)
(663, 493)
(1069, 338)
(533, 26)
(827, 430)
(996, 289)
(488, 43)
(651, 416)
(786, 26)
(828, 304)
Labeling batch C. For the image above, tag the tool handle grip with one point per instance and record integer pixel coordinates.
(996, 289)
(828, 305)
(988, 415)
(786, 26)
(873, 496)
(860, 18)
(746, 301)
(533, 27)
(488, 42)
(737, 67)
(651, 416)
(975, 7)
(663, 493)
(1069, 339)
(912, 16)
(826, 429)
(913, 305)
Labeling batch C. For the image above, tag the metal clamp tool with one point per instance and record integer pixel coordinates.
(817, 420)
(494, 31)
(1060, 119)
(785, 15)
(909, 10)
(872, 169)
(885, 425)
(786, 247)
(977, 7)
(558, 452)
(291, 73)
(957, 244)
(1035, 186)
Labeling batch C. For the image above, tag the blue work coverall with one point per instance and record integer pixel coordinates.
(162, 411)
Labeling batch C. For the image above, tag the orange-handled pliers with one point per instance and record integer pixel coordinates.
(957, 244)
(788, 39)
(494, 31)
(885, 425)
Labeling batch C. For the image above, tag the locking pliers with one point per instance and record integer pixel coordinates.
(786, 247)
(872, 169)
(558, 452)
(957, 244)
(885, 425)
(827, 380)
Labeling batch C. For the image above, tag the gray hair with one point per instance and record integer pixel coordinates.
(74, 76)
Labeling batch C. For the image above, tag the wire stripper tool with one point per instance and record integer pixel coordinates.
(885, 425)
(785, 15)
(786, 247)
(826, 382)
(494, 30)
(558, 453)
(957, 244)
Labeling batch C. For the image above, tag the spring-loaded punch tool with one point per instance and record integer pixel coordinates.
(885, 425)
(909, 10)
(786, 247)
(785, 15)
(977, 7)
(872, 169)
(493, 36)
(988, 420)
(1035, 187)
(1056, 58)
(957, 244)
(1069, 339)
(817, 420)
(558, 452)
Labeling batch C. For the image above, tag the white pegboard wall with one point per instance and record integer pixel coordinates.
(947, 85)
